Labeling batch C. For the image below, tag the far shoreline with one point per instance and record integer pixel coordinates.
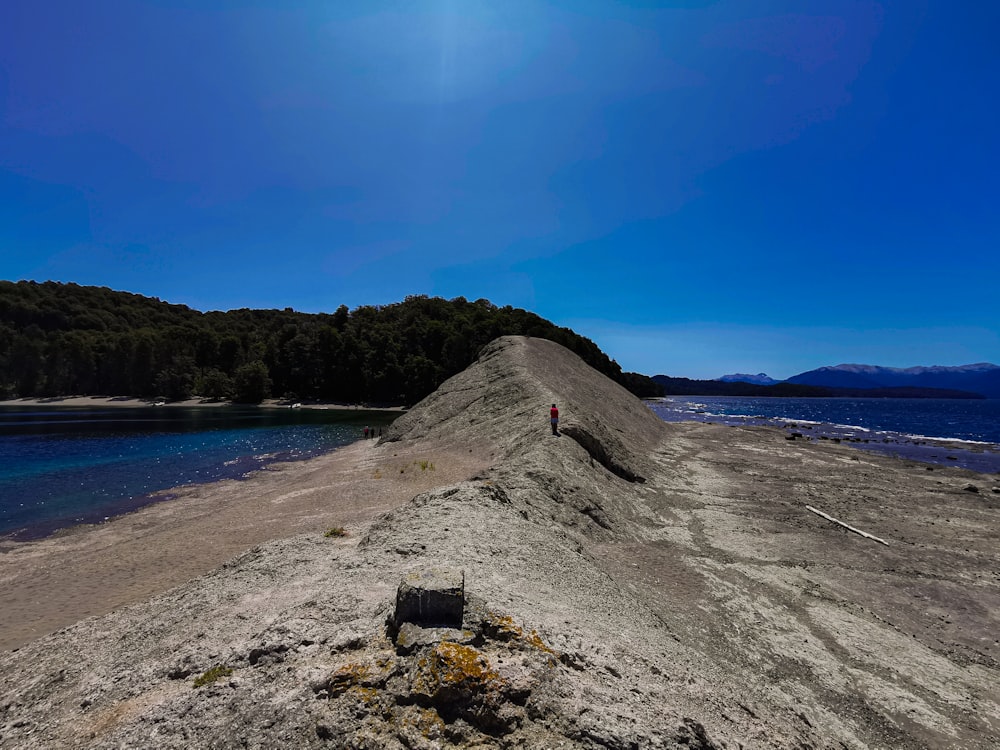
(138, 410)
(143, 402)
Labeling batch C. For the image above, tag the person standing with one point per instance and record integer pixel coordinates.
(554, 418)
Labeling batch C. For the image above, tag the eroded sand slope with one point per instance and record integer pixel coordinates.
(630, 584)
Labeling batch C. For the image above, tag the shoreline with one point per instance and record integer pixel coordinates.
(190, 530)
(975, 455)
(86, 570)
(143, 484)
(141, 402)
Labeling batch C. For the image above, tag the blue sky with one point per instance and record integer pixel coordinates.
(700, 187)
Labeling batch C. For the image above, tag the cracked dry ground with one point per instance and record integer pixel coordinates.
(894, 638)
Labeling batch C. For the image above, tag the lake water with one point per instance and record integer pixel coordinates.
(912, 428)
(61, 467)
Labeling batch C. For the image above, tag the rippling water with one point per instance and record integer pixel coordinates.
(912, 428)
(60, 467)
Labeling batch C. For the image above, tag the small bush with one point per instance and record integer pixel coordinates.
(212, 675)
(336, 531)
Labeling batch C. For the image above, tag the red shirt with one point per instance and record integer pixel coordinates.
(554, 413)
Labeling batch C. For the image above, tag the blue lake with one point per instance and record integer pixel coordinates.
(906, 427)
(61, 467)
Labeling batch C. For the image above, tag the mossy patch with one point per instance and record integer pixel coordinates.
(214, 674)
(336, 531)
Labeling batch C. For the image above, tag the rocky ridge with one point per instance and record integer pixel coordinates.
(629, 584)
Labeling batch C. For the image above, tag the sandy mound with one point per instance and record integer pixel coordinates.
(629, 584)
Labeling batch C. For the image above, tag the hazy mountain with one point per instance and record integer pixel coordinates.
(980, 380)
(982, 377)
(759, 379)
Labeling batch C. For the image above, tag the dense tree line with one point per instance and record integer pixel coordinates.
(686, 387)
(65, 339)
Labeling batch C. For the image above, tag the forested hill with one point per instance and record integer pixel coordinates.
(687, 387)
(65, 339)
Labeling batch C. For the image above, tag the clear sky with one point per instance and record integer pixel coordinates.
(700, 187)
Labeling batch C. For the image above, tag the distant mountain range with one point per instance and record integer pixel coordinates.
(759, 379)
(981, 380)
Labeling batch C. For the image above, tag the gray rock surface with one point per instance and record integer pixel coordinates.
(629, 584)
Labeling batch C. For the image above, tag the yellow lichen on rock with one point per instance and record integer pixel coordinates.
(457, 664)
(430, 723)
(346, 677)
(503, 628)
(534, 640)
(451, 668)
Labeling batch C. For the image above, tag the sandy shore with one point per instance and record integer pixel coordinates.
(135, 401)
(50, 583)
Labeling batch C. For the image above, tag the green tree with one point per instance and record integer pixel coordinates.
(420, 377)
(230, 353)
(176, 382)
(26, 361)
(252, 383)
(341, 317)
(114, 357)
(141, 370)
(70, 338)
(642, 386)
(214, 384)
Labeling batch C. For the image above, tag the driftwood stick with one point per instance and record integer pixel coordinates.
(865, 534)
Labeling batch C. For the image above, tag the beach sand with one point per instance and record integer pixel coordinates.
(89, 570)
